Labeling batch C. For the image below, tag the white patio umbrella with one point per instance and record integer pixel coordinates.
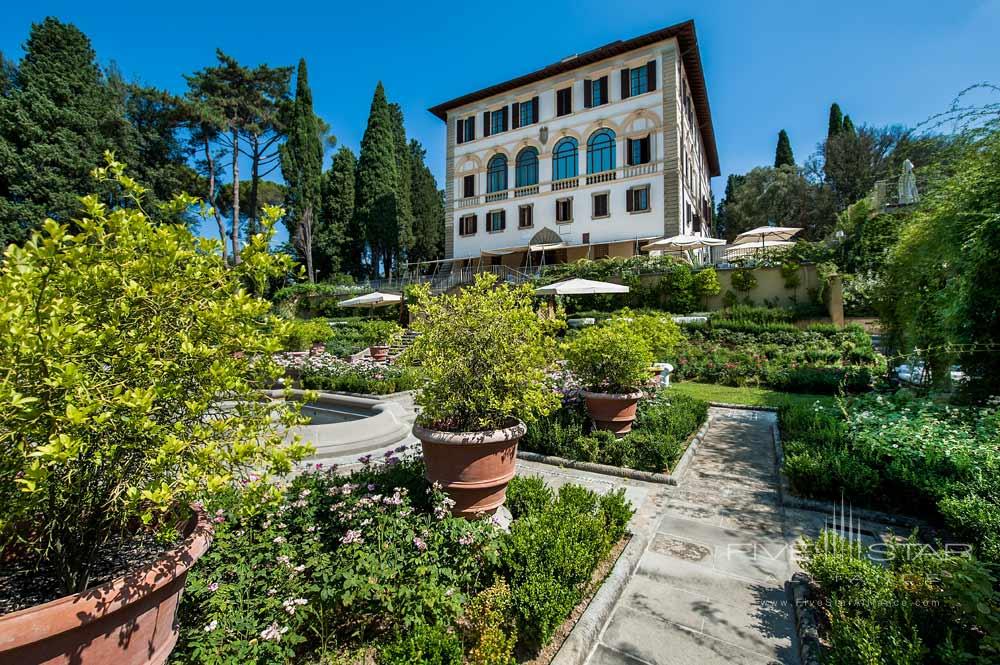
(371, 300)
(682, 243)
(580, 287)
(734, 251)
(764, 233)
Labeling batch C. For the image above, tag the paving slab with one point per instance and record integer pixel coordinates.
(710, 585)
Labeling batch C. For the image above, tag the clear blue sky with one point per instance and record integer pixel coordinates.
(768, 64)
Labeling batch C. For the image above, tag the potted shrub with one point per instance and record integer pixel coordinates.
(612, 363)
(379, 336)
(118, 339)
(660, 334)
(483, 353)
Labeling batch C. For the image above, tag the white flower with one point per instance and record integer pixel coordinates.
(273, 632)
(212, 625)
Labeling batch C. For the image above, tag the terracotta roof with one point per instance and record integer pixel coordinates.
(688, 42)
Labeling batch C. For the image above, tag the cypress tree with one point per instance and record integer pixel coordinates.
(378, 182)
(302, 168)
(57, 118)
(836, 124)
(428, 208)
(849, 125)
(783, 153)
(404, 206)
(338, 243)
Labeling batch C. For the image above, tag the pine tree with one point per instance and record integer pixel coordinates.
(302, 168)
(404, 206)
(57, 118)
(338, 243)
(836, 124)
(783, 153)
(849, 125)
(428, 208)
(378, 183)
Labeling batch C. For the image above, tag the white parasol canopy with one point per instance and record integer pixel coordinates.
(580, 287)
(682, 243)
(371, 300)
(762, 233)
(734, 251)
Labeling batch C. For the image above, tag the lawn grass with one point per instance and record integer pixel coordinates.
(747, 395)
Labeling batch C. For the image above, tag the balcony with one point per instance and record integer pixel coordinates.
(468, 202)
(604, 176)
(498, 196)
(639, 169)
(526, 190)
(568, 183)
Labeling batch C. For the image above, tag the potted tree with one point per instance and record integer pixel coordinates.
(483, 353)
(660, 334)
(120, 342)
(379, 336)
(612, 364)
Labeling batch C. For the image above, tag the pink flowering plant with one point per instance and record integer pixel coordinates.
(354, 557)
(323, 371)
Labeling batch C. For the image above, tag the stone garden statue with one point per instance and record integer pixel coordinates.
(908, 185)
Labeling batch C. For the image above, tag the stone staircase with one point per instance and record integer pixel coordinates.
(404, 343)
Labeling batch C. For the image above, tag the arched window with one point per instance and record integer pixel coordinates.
(526, 168)
(496, 174)
(601, 151)
(564, 159)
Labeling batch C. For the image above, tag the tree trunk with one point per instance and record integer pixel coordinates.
(211, 200)
(303, 241)
(236, 197)
(254, 179)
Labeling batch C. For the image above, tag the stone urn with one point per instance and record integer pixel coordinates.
(131, 620)
(473, 468)
(612, 412)
(379, 353)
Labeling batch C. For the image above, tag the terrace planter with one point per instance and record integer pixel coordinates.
(379, 353)
(130, 620)
(612, 412)
(473, 468)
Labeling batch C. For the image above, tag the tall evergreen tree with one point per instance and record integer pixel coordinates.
(783, 153)
(836, 123)
(849, 125)
(404, 206)
(724, 222)
(57, 118)
(378, 183)
(338, 241)
(302, 168)
(428, 208)
(266, 100)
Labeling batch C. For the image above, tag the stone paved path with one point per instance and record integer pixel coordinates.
(710, 586)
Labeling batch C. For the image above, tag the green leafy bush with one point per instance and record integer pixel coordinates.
(526, 495)
(706, 283)
(612, 358)
(432, 645)
(489, 625)
(483, 353)
(301, 334)
(743, 280)
(118, 340)
(914, 605)
(380, 333)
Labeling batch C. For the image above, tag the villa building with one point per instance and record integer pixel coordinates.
(592, 156)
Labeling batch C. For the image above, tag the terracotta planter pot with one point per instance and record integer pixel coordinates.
(127, 621)
(614, 413)
(379, 352)
(473, 468)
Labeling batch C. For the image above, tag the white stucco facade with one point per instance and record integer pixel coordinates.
(676, 168)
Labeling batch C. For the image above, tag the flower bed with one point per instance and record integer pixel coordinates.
(372, 564)
(323, 371)
(905, 454)
(903, 603)
(664, 424)
(821, 359)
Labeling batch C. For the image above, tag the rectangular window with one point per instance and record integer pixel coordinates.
(527, 112)
(498, 121)
(600, 205)
(525, 216)
(599, 91)
(637, 199)
(469, 186)
(639, 78)
(564, 101)
(467, 225)
(638, 151)
(496, 221)
(564, 211)
(470, 128)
